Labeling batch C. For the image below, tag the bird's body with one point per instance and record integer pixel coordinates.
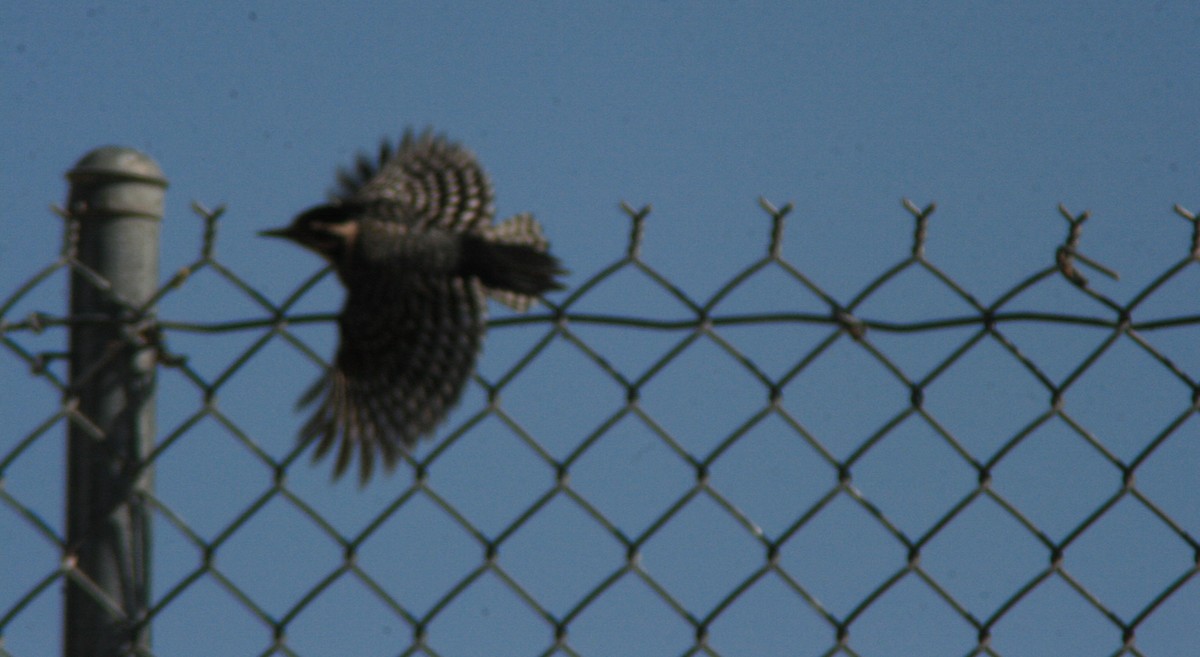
(412, 240)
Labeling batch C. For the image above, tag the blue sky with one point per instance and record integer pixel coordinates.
(996, 112)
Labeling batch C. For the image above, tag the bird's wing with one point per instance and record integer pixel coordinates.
(408, 347)
(435, 182)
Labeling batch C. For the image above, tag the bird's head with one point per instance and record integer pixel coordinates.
(329, 230)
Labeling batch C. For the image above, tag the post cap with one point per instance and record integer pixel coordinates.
(115, 180)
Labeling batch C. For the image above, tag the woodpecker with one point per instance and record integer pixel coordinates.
(410, 236)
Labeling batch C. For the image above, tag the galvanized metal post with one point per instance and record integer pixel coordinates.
(116, 202)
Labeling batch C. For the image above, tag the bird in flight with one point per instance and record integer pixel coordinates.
(411, 237)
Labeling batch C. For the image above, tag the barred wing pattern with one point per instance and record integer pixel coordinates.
(408, 347)
(438, 182)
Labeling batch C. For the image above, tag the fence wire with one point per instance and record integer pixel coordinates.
(790, 572)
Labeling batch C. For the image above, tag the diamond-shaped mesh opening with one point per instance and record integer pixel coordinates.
(906, 468)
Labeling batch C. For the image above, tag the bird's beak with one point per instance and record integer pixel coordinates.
(285, 232)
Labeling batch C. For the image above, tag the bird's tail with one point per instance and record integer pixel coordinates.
(513, 262)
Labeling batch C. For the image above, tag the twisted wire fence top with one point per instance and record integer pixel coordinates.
(687, 477)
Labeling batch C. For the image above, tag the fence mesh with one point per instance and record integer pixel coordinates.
(620, 510)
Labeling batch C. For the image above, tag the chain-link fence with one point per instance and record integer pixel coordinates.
(768, 470)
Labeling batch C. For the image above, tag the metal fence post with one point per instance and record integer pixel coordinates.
(116, 203)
